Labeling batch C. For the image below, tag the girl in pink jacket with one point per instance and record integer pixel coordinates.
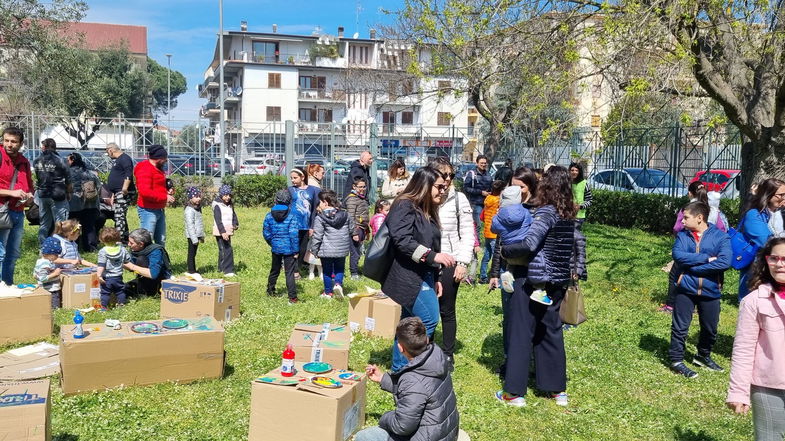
(757, 375)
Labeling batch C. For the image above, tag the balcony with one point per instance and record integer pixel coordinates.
(209, 83)
(210, 110)
(322, 95)
(318, 127)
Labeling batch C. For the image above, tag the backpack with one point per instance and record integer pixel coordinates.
(89, 191)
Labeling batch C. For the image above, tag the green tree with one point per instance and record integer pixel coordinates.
(158, 82)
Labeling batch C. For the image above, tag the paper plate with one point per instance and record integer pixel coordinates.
(317, 367)
(174, 323)
(277, 381)
(145, 328)
(349, 376)
(326, 382)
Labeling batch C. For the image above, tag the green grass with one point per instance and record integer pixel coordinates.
(619, 383)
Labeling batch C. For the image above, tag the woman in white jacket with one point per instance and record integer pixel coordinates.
(397, 179)
(455, 216)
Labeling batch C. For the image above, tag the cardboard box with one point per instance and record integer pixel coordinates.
(30, 362)
(192, 299)
(374, 315)
(26, 318)
(328, 342)
(79, 289)
(24, 411)
(305, 412)
(107, 358)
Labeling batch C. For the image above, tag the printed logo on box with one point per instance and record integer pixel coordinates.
(95, 293)
(80, 287)
(370, 323)
(177, 293)
(316, 354)
(20, 399)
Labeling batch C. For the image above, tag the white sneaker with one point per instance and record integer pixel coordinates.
(507, 280)
(338, 291)
(230, 275)
(311, 276)
(324, 295)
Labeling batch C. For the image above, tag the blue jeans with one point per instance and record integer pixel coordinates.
(10, 246)
(51, 211)
(332, 266)
(490, 244)
(374, 433)
(476, 210)
(426, 307)
(154, 221)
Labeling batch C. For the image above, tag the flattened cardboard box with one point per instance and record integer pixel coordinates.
(306, 412)
(24, 411)
(108, 358)
(26, 318)
(377, 316)
(328, 342)
(30, 362)
(188, 299)
(79, 289)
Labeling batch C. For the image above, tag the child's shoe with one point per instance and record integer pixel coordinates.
(561, 399)
(230, 275)
(507, 280)
(665, 308)
(540, 296)
(338, 291)
(326, 295)
(511, 399)
(293, 301)
(311, 276)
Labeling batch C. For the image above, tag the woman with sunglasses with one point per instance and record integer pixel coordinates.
(534, 328)
(762, 220)
(757, 373)
(455, 216)
(413, 280)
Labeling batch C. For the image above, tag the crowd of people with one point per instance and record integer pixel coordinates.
(527, 224)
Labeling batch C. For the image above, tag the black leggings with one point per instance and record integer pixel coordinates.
(304, 239)
(447, 309)
(192, 247)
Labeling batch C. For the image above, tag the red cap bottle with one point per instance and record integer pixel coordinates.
(287, 364)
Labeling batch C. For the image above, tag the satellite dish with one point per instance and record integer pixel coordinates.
(238, 91)
(356, 35)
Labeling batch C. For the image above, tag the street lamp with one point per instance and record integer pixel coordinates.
(221, 125)
(169, 103)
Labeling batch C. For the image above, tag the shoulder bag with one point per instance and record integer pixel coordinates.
(5, 215)
(743, 250)
(379, 257)
(572, 310)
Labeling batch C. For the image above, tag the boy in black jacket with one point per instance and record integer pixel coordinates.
(425, 407)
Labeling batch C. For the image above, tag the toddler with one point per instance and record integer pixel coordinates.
(68, 232)
(380, 214)
(111, 259)
(511, 224)
(46, 273)
(331, 241)
(194, 226)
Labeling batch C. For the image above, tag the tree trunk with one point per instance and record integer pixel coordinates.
(761, 159)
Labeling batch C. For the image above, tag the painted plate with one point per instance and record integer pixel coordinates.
(277, 381)
(326, 382)
(317, 367)
(174, 323)
(349, 376)
(144, 328)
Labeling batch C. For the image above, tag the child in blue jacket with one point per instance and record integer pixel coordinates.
(281, 233)
(702, 253)
(511, 224)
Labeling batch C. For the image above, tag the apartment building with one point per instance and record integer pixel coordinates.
(332, 87)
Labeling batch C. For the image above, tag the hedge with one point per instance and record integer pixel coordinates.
(254, 190)
(205, 183)
(649, 212)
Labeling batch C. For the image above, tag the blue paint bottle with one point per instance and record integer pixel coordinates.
(78, 319)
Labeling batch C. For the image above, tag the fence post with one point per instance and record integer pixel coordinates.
(289, 152)
(331, 163)
(373, 146)
(676, 154)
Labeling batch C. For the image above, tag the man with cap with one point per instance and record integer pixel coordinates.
(153, 194)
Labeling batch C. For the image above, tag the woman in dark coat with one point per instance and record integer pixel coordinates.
(149, 261)
(534, 328)
(413, 223)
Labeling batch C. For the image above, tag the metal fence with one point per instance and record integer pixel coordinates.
(267, 147)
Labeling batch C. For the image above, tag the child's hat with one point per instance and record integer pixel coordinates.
(51, 246)
(283, 197)
(193, 192)
(511, 196)
(224, 190)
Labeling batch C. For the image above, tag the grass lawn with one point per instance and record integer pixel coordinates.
(619, 384)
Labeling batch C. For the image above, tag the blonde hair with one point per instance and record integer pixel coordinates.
(66, 227)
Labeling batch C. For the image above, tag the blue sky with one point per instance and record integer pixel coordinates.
(188, 29)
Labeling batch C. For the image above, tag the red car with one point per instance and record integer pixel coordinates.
(718, 180)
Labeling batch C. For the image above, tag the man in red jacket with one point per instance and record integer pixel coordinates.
(153, 195)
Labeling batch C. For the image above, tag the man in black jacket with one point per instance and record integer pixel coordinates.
(477, 185)
(120, 183)
(359, 169)
(54, 188)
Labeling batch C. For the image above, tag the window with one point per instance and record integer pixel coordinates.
(407, 117)
(273, 113)
(274, 80)
(359, 54)
(388, 117)
(445, 86)
(313, 82)
(316, 115)
(443, 118)
(307, 115)
(265, 51)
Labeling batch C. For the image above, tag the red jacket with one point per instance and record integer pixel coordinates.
(151, 185)
(24, 179)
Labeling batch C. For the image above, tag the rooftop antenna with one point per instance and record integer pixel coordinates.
(358, 10)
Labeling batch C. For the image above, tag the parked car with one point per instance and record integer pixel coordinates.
(724, 181)
(638, 180)
(259, 166)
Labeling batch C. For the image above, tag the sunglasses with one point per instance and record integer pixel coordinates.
(441, 187)
(773, 260)
(448, 176)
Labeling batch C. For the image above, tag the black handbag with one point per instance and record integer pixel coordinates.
(379, 257)
(5, 216)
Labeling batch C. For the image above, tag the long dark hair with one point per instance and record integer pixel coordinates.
(580, 171)
(556, 189)
(393, 171)
(760, 272)
(418, 190)
(766, 190)
(528, 177)
(698, 191)
(76, 160)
